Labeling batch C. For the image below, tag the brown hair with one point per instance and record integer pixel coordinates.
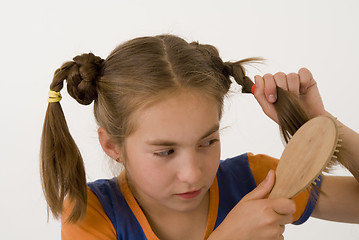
(135, 74)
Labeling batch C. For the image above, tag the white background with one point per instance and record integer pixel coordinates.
(38, 36)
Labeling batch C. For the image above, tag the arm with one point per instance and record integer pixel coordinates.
(341, 202)
(341, 199)
(349, 151)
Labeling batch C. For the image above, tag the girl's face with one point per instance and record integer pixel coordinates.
(173, 155)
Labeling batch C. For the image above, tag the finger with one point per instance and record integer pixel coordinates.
(306, 80)
(293, 83)
(281, 229)
(284, 206)
(281, 80)
(270, 90)
(285, 219)
(262, 189)
(261, 98)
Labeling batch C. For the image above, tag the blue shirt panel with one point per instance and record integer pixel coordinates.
(235, 180)
(123, 219)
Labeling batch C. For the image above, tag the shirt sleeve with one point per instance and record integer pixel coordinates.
(261, 164)
(94, 226)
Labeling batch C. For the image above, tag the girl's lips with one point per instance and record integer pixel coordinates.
(189, 195)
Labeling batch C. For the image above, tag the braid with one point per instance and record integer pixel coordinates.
(82, 77)
(214, 60)
(237, 71)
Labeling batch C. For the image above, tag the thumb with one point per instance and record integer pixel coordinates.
(262, 189)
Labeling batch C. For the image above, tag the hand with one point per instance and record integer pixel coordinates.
(255, 217)
(301, 85)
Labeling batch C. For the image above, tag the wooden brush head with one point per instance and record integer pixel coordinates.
(304, 158)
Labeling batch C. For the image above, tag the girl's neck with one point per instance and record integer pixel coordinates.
(172, 225)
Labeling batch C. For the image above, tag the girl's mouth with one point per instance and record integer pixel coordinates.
(189, 195)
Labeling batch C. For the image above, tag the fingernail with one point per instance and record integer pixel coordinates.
(253, 88)
(271, 98)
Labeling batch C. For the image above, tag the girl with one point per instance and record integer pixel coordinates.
(158, 103)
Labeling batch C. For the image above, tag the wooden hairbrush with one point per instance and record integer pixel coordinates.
(308, 153)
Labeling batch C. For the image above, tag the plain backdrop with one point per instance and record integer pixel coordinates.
(38, 36)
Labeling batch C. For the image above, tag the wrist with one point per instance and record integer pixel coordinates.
(337, 122)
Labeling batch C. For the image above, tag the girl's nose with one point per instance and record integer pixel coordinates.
(189, 170)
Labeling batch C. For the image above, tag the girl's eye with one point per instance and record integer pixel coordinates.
(164, 153)
(209, 143)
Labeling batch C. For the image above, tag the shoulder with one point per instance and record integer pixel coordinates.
(94, 225)
(120, 206)
(109, 195)
(260, 165)
(248, 164)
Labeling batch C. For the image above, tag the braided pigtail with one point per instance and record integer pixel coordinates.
(62, 168)
(291, 115)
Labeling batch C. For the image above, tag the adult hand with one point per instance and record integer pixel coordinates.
(255, 217)
(301, 84)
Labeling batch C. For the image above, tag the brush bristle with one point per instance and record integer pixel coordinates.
(329, 167)
(314, 186)
(333, 162)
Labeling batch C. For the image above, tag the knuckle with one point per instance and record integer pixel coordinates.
(272, 233)
(293, 206)
(270, 220)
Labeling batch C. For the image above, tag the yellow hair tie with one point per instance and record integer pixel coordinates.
(54, 97)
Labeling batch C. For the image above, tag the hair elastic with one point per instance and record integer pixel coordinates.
(54, 97)
(253, 88)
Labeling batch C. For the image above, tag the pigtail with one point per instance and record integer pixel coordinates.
(62, 168)
(291, 115)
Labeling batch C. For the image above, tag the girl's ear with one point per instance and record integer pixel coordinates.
(112, 149)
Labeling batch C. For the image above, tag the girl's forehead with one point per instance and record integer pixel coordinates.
(181, 102)
(182, 112)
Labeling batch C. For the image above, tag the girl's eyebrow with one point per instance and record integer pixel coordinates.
(167, 143)
(214, 129)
